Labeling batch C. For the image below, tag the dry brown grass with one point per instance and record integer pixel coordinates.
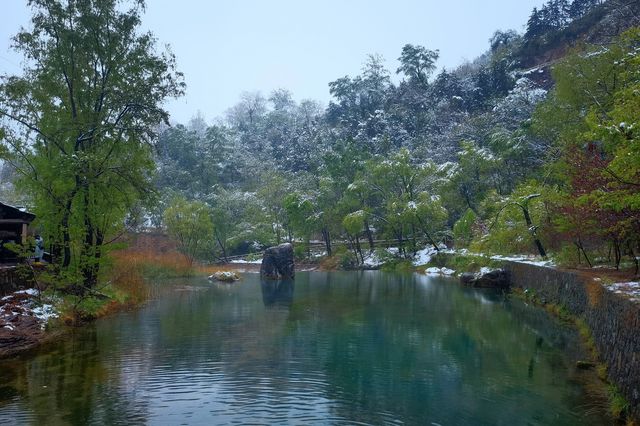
(131, 268)
(210, 269)
(174, 263)
(149, 256)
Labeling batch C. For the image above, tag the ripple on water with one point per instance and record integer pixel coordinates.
(336, 348)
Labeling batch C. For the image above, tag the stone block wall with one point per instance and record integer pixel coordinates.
(613, 319)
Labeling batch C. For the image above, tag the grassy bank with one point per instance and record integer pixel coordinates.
(461, 262)
(125, 283)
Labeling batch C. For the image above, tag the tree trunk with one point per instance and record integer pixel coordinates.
(327, 240)
(532, 231)
(579, 254)
(93, 240)
(581, 249)
(66, 237)
(399, 237)
(277, 230)
(369, 236)
(413, 238)
(633, 256)
(94, 265)
(224, 250)
(428, 235)
(617, 253)
(352, 247)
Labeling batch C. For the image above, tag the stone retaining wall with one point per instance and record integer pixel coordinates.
(613, 319)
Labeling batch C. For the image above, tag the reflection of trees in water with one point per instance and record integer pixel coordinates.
(69, 383)
(371, 346)
(392, 337)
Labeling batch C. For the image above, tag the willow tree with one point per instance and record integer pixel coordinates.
(79, 121)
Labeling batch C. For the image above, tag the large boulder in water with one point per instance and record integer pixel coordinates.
(498, 278)
(277, 263)
(467, 278)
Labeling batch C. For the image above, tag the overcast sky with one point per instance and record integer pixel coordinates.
(227, 47)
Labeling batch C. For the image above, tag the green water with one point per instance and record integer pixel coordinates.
(331, 348)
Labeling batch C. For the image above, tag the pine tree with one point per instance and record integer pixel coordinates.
(535, 25)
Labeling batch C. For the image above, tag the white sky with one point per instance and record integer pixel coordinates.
(227, 47)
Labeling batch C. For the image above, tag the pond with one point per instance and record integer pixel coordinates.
(329, 348)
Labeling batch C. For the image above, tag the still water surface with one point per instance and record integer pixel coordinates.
(331, 348)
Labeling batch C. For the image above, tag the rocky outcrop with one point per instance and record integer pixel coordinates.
(277, 263)
(498, 278)
(224, 276)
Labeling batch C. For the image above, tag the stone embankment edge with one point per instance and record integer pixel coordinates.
(613, 319)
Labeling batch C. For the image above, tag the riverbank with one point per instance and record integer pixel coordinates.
(429, 345)
(254, 268)
(603, 304)
(30, 318)
(613, 320)
(24, 321)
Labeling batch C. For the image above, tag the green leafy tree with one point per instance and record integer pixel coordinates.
(417, 63)
(79, 123)
(354, 225)
(469, 179)
(592, 118)
(463, 229)
(395, 192)
(241, 223)
(189, 224)
(517, 220)
(303, 215)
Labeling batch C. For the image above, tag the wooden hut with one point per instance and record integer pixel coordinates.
(14, 228)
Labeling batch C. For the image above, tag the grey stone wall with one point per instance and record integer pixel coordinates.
(614, 320)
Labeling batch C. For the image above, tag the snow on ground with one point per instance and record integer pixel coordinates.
(23, 303)
(631, 289)
(439, 271)
(372, 260)
(530, 260)
(29, 291)
(45, 312)
(243, 261)
(424, 256)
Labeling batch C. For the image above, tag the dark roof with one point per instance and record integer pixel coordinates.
(15, 213)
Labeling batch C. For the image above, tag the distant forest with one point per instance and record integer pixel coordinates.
(530, 148)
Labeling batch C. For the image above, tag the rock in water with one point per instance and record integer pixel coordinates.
(225, 276)
(277, 263)
(498, 278)
(467, 278)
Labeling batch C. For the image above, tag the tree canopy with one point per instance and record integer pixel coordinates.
(81, 120)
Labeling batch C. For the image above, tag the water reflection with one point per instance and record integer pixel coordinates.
(361, 347)
(277, 292)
